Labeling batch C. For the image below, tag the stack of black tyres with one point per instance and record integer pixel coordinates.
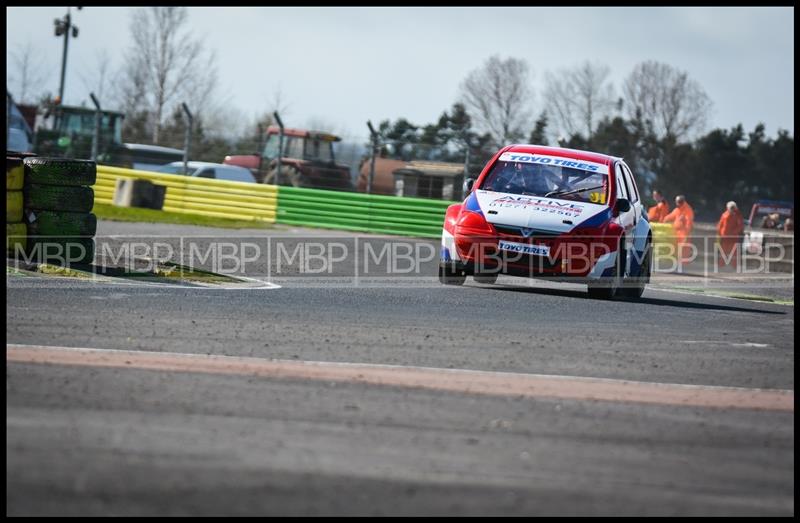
(58, 204)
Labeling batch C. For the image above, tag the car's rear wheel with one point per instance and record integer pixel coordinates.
(450, 276)
(608, 286)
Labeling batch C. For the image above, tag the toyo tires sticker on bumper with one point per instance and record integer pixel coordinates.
(524, 248)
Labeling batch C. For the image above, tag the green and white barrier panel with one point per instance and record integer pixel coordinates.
(361, 212)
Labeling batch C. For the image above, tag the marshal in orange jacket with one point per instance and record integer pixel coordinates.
(658, 212)
(730, 229)
(682, 217)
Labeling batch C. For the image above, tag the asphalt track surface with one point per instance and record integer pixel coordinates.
(208, 434)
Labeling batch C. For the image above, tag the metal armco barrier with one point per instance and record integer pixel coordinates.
(203, 196)
(361, 212)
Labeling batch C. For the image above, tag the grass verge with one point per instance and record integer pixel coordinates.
(163, 273)
(46, 268)
(183, 273)
(136, 214)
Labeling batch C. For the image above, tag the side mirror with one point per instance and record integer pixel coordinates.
(468, 183)
(622, 205)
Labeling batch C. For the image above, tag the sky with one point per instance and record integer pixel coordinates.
(340, 67)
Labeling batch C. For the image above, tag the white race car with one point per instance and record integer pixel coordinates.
(554, 213)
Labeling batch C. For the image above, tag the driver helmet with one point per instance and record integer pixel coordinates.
(537, 180)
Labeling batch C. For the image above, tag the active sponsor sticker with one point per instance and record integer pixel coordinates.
(524, 248)
(540, 205)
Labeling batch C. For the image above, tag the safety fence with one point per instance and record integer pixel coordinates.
(201, 196)
(49, 201)
(316, 208)
(288, 205)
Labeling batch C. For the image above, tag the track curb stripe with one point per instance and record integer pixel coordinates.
(452, 380)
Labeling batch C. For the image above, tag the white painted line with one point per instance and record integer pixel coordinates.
(100, 279)
(690, 293)
(723, 342)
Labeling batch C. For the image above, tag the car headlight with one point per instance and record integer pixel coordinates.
(473, 223)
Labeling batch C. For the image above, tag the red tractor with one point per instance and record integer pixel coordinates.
(307, 160)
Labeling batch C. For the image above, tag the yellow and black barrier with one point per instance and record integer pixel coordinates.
(200, 196)
(662, 234)
(16, 231)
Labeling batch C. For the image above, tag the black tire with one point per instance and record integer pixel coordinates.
(609, 287)
(488, 278)
(60, 223)
(61, 249)
(58, 171)
(55, 198)
(634, 286)
(447, 276)
(288, 173)
(14, 201)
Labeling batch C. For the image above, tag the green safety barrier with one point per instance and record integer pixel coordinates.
(361, 212)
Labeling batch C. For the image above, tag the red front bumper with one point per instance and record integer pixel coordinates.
(568, 254)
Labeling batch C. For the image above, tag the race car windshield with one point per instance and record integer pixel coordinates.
(542, 180)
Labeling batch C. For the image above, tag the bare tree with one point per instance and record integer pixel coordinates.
(128, 91)
(579, 97)
(264, 119)
(251, 130)
(30, 72)
(666, 100)
(279, 103)
(497, 96)
(201, 90)
(319, 123)
(165, 66)
(97, 78)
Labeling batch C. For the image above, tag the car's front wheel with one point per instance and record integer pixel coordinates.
(450, 276)
(633, 287)
(488, 278)
(608, 286)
